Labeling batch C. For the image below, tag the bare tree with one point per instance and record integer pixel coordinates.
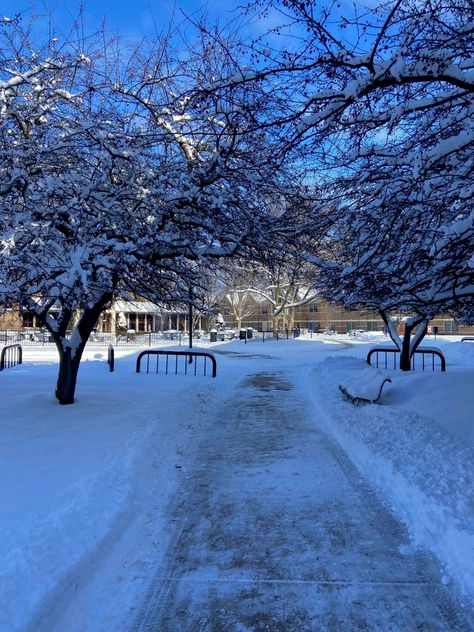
(284, 285)
(234, 294)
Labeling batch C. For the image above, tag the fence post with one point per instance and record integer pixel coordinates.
(111, 358)
(149, 338)
(263, 336)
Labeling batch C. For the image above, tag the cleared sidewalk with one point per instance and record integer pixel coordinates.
(275, 530)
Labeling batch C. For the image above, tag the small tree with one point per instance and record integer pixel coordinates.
(236, 299)
(285, 285)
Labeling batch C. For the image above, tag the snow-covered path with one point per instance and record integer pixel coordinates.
(274, 529)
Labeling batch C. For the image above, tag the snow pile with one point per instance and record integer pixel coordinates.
(417, 450)
(459, 353)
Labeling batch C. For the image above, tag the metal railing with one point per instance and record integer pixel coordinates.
(189, 364)
(40, 338)
(25, 337)
(111, 358)
(11, 355)
(260, 336)
(385, 351)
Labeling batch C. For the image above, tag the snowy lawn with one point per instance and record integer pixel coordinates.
(69, 473)
(74, 477)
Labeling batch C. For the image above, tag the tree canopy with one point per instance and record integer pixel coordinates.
(121, 186)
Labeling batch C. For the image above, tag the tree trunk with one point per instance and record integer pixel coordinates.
(405, 355)
(67, 375)
(409, 344)
(290, 319)
(70, 351)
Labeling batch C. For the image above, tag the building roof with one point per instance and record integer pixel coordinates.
(135, 307)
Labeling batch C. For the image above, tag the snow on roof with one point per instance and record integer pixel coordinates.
(137, 307)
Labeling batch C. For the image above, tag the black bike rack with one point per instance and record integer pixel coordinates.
(190, 358)
(11, 355)
(385, 351)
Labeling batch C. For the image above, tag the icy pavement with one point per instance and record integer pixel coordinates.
(274, 529)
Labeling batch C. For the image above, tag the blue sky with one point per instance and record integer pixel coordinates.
(131, 18)
(135, 19)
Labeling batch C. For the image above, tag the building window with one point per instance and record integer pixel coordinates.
(451, 327)
(106, 325)
(149, 322)
(373, 325)
(132, 321)
(313, 308)
(351, 324)
(264, 310)
(28, 319)
(141, 322)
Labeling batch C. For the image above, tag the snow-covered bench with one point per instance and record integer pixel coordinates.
(366, 387)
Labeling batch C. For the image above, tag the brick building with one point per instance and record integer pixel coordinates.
(320, 315)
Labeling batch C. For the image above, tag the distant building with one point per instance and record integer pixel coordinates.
(143, 317)
(140, 316)
(319, 315)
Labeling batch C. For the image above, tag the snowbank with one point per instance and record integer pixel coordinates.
(416, 449)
